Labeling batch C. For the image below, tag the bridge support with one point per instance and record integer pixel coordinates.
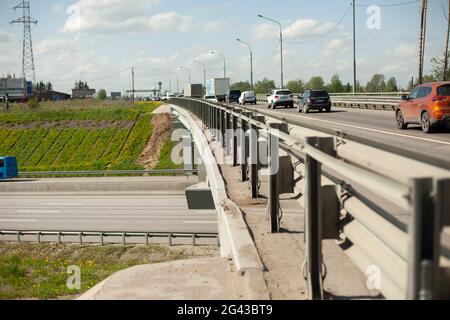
(314, 216)
(274, 201)
(254, 159)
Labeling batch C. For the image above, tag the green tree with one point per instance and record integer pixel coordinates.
(348, 87)
(376, 84)
(335, 85)
(264, 86)
(242, 86)
(391, 85)
(296, 86)
(101, 95)
(437, 69)
(315, 83)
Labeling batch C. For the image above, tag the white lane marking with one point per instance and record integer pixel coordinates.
(375, 130)
(61, 204)
(199, 222)
(16, 220)
(38, 211)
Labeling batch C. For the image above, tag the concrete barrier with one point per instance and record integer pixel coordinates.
(161, 185)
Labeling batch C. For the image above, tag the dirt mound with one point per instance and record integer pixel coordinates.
(161, 132)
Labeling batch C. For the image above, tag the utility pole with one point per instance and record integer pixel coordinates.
(446, 44)
(132, 84)
(422, 38)
(354, 47)
(28, 70)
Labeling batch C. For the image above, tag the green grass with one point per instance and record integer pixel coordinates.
(39, 271)
(77, 135)
(165, 158)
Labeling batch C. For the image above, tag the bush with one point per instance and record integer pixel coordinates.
(33, 104)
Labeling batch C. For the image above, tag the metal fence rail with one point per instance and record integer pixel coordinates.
(408, 258)
(109, 172)
(102, 235)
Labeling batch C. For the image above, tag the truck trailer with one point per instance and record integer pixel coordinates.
(218, 87)
(193, 91)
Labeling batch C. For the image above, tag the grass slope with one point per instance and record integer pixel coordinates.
(67, 136)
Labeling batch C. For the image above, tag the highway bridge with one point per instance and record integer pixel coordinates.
(383, 192)
(338, 199)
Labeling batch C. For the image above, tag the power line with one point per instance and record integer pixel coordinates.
(326, 33)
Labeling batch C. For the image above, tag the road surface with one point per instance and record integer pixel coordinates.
(373, 124)
(103, 212)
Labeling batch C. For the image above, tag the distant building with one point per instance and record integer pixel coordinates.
(55, 96)
(14, 88)
(83, 94)
(116, 95)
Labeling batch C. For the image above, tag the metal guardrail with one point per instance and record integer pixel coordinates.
(407, 257)
(101, 235)
(109, 172)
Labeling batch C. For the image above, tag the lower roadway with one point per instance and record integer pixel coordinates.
(103, 212)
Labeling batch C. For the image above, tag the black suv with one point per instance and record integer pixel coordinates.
(233, 96)
(318, 99)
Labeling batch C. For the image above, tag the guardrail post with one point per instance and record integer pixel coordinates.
(38, 237)
(234, 143)
(254, 160)
(274, 204)
(18, 236)
(223, 128)
(244, 147)
(313, 217)
(229, 130)
(424, 240)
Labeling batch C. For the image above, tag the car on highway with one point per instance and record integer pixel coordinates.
(247, 97)
(318, 99)
(428, 105)
(8, 168)
(211, 99)
(233, 96)
(280, 97)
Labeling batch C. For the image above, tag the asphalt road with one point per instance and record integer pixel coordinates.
(376, 125)
(103, 212)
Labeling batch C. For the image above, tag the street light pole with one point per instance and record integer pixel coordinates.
(204, 71)
(224, 63)
(251, 61)
(281, 45)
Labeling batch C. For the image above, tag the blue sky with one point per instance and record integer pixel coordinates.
(100, 40)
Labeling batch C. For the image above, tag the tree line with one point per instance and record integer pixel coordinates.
(378, 82)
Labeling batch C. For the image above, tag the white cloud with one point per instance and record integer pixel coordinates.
(51, 44)
(58, 7)
(336, 44)
(306, 28)
(96, 16)
(5, 37)
(264, 31)
(405, 51)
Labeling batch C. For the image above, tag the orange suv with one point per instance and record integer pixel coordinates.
(427, 105)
